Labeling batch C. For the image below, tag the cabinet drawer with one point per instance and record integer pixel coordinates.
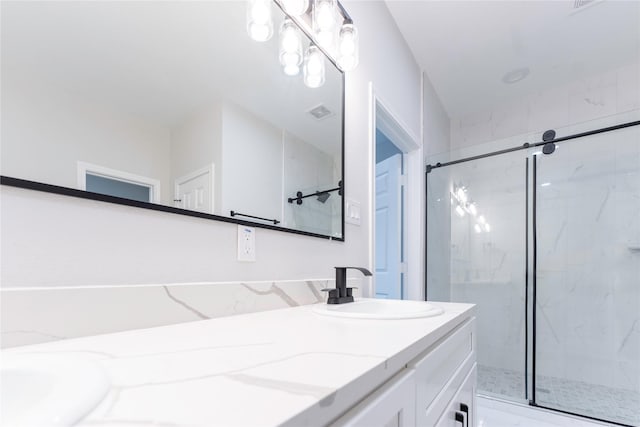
(392, 405)
(461, 409)
(440, 372)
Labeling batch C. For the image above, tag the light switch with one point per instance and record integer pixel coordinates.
(246, 243)
(352, 212)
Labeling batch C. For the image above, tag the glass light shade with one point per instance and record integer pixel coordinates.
(477, 228)
(290, 48)
(324, 15)
(348, 50)
(460, 211)
(295, 7)
(259, 20)
(313, 69)
(325, 22)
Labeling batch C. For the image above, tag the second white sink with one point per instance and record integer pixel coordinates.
(379, 309)
(43, 390)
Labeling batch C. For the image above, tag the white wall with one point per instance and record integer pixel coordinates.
(45, 122)
(251, 165)
(50, 240)
(197, 143)
(307, 169)
(436, 123)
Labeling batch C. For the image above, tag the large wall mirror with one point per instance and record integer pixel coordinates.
(172, 104)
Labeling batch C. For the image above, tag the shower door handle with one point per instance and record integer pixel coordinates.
(460, 418)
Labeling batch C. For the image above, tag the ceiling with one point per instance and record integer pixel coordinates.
(466, 47)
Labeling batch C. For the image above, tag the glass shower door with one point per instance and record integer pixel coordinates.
(587, 302)
(476, 253)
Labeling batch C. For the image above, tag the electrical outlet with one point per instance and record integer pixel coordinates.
(246, 243)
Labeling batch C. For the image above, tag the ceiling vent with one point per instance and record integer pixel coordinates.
(320, 112)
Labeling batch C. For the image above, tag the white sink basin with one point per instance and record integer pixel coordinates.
(43, 390)
(379, 309)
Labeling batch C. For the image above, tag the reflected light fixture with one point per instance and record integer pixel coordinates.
(290, 48)
(259, 20)
(477, 228)
(295, 7)
(472, 208)
(460, 211)
(313, 69)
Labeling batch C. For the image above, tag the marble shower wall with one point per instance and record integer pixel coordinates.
(37, 315)
(581, 101)
(589, 261)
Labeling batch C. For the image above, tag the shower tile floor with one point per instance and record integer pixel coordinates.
(607, 403)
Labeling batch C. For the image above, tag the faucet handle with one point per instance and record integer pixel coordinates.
(333, 292)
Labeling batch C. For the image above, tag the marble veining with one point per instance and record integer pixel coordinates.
(205, 372)
(273, 290)
(184, 304)
(31, 316)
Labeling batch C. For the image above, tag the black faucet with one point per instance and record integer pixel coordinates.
(341, 294)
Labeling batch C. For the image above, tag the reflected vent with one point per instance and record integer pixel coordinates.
(577, 4)
(320, 112)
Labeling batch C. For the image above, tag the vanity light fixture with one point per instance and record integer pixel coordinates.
(348, 50)
(259, 20)
(290, 48)
(295, 7)
(324, 22)
(313, 69)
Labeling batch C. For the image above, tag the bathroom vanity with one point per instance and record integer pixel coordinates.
(287, 367)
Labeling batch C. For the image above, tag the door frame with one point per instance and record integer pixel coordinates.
(382, 117)
(85, 168)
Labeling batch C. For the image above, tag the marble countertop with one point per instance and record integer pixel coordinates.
(289, 367)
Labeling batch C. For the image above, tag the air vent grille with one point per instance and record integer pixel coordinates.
(320, 112)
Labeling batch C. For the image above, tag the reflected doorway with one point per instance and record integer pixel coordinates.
(389, 224)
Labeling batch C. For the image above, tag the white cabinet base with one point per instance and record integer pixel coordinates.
(437, 389)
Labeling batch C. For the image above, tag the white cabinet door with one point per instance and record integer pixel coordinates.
(391, 405)
(461, 409)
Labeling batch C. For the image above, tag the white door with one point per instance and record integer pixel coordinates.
(195, 191)
(388, 228)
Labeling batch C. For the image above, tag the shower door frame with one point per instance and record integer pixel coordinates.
(531, 255)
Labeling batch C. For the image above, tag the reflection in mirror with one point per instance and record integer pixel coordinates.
(170, 103)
